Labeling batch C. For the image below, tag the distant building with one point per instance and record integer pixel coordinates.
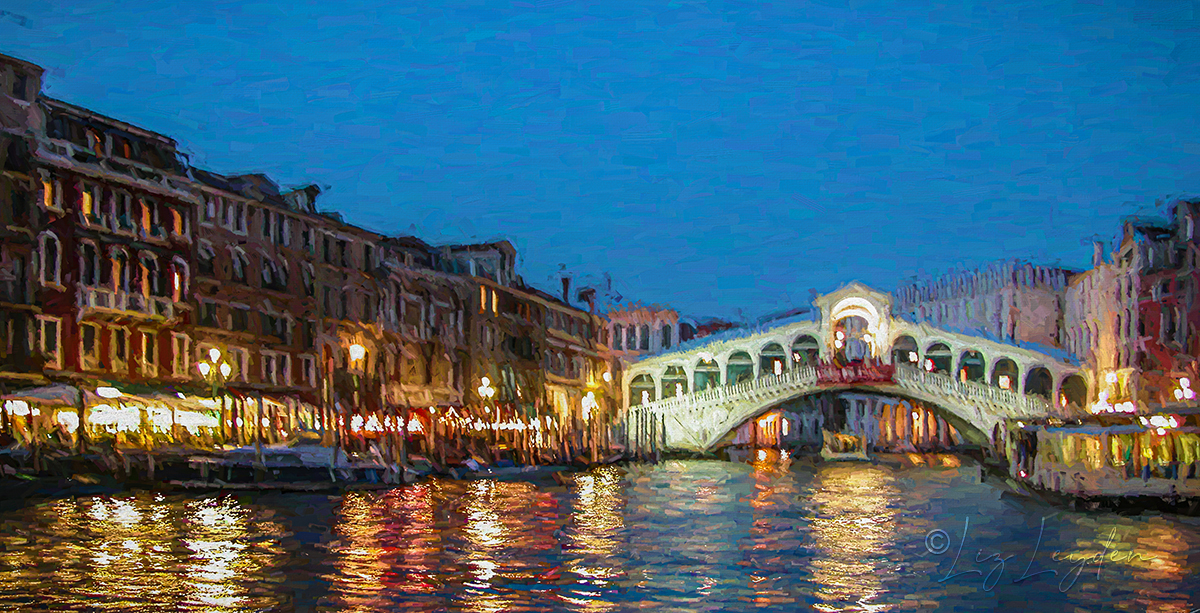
(1011, 301)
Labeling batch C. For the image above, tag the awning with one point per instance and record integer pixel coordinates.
(53, 395)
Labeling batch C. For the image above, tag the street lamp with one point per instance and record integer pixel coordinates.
(216, 370)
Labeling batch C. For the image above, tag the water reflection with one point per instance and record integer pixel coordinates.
(853, 535)
(772, 534)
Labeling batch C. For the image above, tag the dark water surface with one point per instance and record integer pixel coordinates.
(679, 536)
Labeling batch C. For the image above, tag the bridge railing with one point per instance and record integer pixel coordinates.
(1013, 403)
(793, 378)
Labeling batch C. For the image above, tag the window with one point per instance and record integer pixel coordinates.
(306, 274)
(151, 224)
(240, 319)
(150, 354)
(50, 340)
(283, 230)
(368, 257)
(644, 338)
(240, 265)
(273, 325)
(235, 217)
(123, 212)
(208, 314)
(276, 368)
(344, 311)
(666, 337)
(89, 264)
(630, 337)
(51, 256)
(306, 238)
(344, 253)
(308, 370)
(267, 223)
(89, 346)
(118, 349)
(240, 360)
(52, 195)
(206, 259)
(179, 354)
(327, 248)
(89, 201)
(208, 212)
(482, 299)
(179, 279)
(308, 334)
(179, 225)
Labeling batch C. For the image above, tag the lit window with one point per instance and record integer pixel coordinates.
(179, 354)
(50, 340)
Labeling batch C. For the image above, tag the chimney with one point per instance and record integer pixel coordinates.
(588, 295)
(566, 295)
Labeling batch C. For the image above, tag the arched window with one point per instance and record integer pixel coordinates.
(179, 279)
(120, 270)
(207, 259)
(306, 273)
(151, 277)
(644, 340)
(240, 265)
(89, 264)
(51, 257)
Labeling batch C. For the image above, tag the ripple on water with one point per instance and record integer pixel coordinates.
(680, 536)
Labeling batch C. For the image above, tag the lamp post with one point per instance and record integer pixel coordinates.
(216, 370)
(486, 392)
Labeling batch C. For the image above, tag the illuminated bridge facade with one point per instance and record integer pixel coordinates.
(692, 398)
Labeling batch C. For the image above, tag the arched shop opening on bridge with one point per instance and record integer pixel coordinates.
(887, 423)
(674, 382)
(938, 358)
(805, 350)
(642, 390)
(1074, 392)
(1005, 374)
(851, 340)
(708, 374)
(739, 368)
(772, 360)
(905, 350)
(1039, 382)
(971, 366)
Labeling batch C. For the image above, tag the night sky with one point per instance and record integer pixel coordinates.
(724, 158)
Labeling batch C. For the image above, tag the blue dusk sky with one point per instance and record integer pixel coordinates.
(724, 158)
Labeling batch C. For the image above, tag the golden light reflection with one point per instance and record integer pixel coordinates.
(596, 525)
(131, 552)
(854, 532)
(361, 560)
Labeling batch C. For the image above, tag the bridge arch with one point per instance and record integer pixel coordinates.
(1074, 392)
(938, 358)
(642, 390)
(739, 367)
(806, 351)
(896, 417)
(972, 366)
(772, 360)
(675, 382)
(1005, 374)
(707, 374)
(1039, 382)
(905, 350)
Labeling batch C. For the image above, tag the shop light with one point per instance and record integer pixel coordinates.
(108, 392)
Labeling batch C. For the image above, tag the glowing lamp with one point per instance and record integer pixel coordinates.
(607, 376)
(204, 368)
(226, 369)
(108, 392)
(214, 354)
(357, 352)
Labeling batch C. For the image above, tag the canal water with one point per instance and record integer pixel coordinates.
(770, 534)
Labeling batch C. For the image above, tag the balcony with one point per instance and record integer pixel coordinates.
(106, 300)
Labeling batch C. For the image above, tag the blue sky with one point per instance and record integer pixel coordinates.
(724, 158)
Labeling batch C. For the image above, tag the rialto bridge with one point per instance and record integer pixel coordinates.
(692, 398)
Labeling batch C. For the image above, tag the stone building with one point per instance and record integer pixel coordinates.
(1011, 301)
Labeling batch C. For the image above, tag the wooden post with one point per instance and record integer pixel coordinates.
(258, 428)
(81, 429)
(403, 441)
